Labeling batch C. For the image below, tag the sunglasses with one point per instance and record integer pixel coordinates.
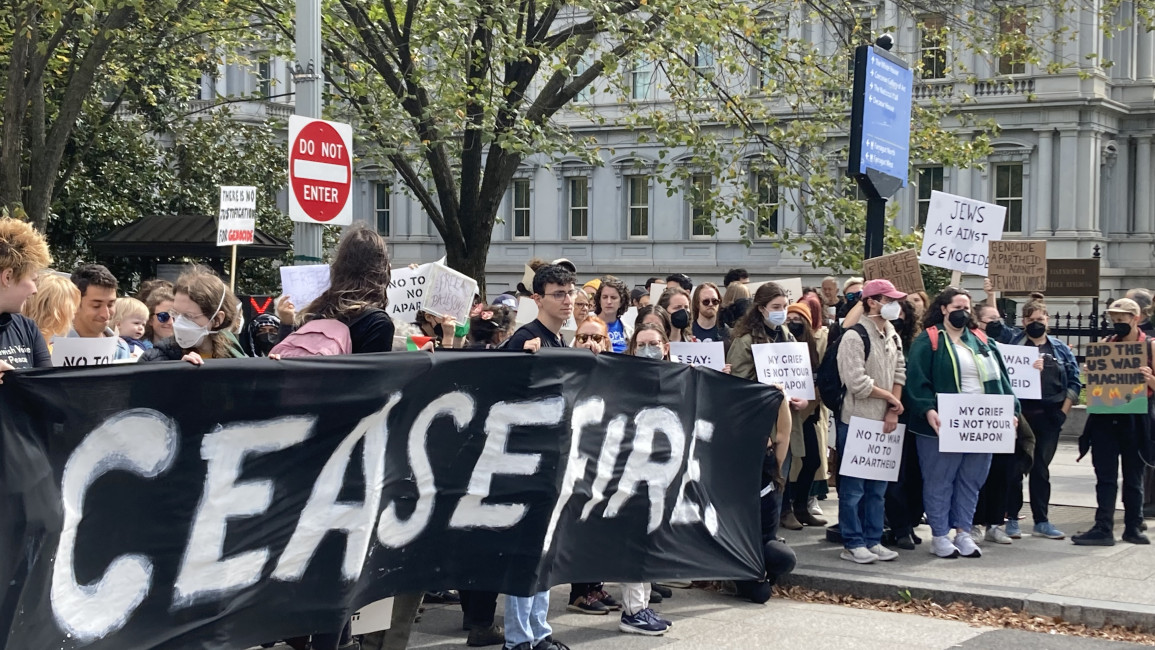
(582, 338)
(710, 302)
(163, 317)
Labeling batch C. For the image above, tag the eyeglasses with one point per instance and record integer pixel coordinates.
(582, 338)
(163, 317)
(711, 302)
(650, 344)
(562, 295)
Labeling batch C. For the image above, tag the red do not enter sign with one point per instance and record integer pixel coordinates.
(320, 171)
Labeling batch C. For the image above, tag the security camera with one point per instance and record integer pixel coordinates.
(885, 42)
(1111, 147)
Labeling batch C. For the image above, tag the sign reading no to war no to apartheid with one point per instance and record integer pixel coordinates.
(959, 232)
(976, 424)
(1114, 382)
(871, 454)
(1020, 362)
(786, 365)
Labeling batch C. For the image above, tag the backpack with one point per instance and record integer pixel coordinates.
(933, 331)
(323, 337)
(831, 389)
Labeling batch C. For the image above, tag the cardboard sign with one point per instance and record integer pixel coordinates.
(406, 292)
(449, 293)
(871, 454)
(237, 219)
(303, 284)
(73, 351)
(373, 617)
(785, 364)
(711, 355)
(527, 278)
(959, 232)
(976, 424)
(900, 268)
(1019, 266)
(1114, 383)
(1025, 379)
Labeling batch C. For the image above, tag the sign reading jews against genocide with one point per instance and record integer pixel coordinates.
(237, 219)
(711, 354)
(959, 232)
(1018, 266)
(227, 505)
(976, 424)
(786, 365)
(1020, 360)
(1114, 381)
(900, 268)
(871, 454)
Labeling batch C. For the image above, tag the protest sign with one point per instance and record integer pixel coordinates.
(959, 231)
(1114, 383)
(526, 278)
(976, 424)
(373, 617)
(711, 355)
(900, 268)
(237, 218)
(77, 351)
(303, 284)
(449, 293)
(656, 291)
(1025, 379)
(792, 287)
(871, 454)
(283, 497)
(527, 312)
(630, 318)
(406, 292)
(785, 364)
(1018, 266)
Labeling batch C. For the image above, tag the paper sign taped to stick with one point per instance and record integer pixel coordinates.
(304, 284)
(711, 355)
(237, 219)
(449, 293)
(406, 292)
(374, 617)
(70, 351)
(871, 454)
(787, 365)
(1018, 266)
(976, 424)
(959, 232)
(1025, 379)
(1114, 382)
(900, 268)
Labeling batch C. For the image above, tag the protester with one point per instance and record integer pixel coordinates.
(129, 320)
(706, 325)
(147, 287)
(263, 334)
(919, 301)
(592, 335)
(657, 315)
(950, 356)
(1142, 297)
(442, 329)
(821, 485)
(97, 301)
(676, 301)
(53, 305)
(680, 280)
(904, 496)
(490, 327)
(1060, 386)
(852, 291)
(610, 304)
(23, 254)
(159, 326)
(639, 298)
(735, 275)
(830, 296)
(204, 313)
(649, 282)
(764, 323)
(735, 302)
(806, 443)
(591, 288)
(1115, 438)
(991, 321)
(582, 306)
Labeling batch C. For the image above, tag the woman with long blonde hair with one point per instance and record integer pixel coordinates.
(53, 305)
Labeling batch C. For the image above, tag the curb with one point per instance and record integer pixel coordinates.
(1092, 613)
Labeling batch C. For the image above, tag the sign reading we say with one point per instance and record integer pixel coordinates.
(785, 364)
(320, 171)
(711, 355)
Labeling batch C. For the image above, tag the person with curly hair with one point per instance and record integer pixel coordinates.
(23, 254)
(610, 303)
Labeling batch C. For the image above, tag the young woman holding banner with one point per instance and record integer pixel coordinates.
(204, 313)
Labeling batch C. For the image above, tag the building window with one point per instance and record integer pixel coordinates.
(766, 210)
(582, 66)
(382, 207)
(265, 77)
(703, 68)
(638, 205)
(929, 180)
(1009, 194)
(521, 211)
(933, 48)
(1012, 41)
(764, 74)
(641, 78)
(579, 207)
(701, 225)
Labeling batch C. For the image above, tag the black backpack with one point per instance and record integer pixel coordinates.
(831, 389)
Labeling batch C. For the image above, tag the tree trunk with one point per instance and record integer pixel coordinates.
(470, 259)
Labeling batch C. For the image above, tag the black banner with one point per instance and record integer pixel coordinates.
(171, 506)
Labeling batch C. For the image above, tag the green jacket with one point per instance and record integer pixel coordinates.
(930, 372)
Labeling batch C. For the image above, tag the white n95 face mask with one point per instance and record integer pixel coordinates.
(891, 311)
(188, 333)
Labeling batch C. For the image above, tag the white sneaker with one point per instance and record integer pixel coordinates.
(884, 554)
(812, 507)
(976, 535)
(859, 555)
(997, 535)
(966, 545)
(942, 547)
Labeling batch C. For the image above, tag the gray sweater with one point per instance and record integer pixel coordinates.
(885, 368)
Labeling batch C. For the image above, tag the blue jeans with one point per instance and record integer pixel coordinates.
(861, 504)
(950, 485)
(525, 619)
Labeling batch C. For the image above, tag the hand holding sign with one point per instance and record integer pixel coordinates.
(870, 453)
(1026, 379)
(977, 424)
(449, 294)
(711, 355)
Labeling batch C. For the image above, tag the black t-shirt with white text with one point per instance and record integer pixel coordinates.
(21, 344)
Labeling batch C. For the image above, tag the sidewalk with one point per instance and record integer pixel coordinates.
(1090, 585)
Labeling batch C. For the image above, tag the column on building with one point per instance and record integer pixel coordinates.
(1088, 166)
(1117, 190)
(1044, 218)
(1143, 223)
(1143, 53)
(1068, 161)
(1090, 37)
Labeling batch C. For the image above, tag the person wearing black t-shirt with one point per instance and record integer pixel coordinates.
(554, 292)
(705, 304)
(23, 254)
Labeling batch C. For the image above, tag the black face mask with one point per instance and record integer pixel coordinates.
(680, 319)
(264, 342)
(1122, 330)
(1036, 330)
(852, 298)
(959, 319)
(797, 329)
(995, 329)
(899, 326)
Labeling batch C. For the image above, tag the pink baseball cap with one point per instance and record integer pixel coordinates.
(876, 288)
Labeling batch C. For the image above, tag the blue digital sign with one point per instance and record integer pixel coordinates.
(885, 143)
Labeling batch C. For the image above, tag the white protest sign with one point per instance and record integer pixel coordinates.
(976, 424)
(303, 284)
(237, 218)
(527, 312)
(449, 293)
(787, 364)
(373, 617)
(656, 291)
(1025, 380)
(711, 355)
(871, 454)
(76, 351)
(792, 287)
(630, 318)
(959, 232)
(406, 292)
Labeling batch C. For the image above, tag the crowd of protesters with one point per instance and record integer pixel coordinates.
(894, 353)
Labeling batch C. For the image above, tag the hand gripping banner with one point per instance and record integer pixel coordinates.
(171, 506)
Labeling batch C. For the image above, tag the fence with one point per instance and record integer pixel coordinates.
(1075, 329)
